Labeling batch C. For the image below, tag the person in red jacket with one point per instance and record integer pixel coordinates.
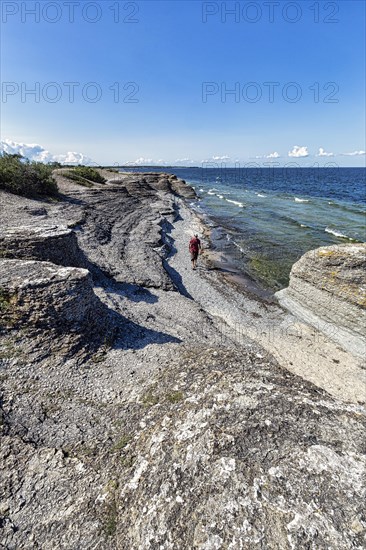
(194, 248)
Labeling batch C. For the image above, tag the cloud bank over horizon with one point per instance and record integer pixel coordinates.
(35, 152)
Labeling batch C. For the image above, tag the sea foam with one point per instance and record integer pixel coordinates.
(337, 233)
(240, 204)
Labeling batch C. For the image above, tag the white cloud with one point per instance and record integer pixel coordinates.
(36, 152)
(73, 158)
(354, 153)
(31, 151)
(224, 157)
(323, 153)
(216, 158)
(184, 161)
(141, 162)
(273, 155)
(298, 152)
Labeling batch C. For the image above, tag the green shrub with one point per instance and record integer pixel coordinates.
(75, 177)
(88, 173)
(23, 177)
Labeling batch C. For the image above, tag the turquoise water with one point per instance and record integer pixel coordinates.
(265, 219)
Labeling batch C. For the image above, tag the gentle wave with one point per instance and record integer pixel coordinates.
(346, 208)
(228, 238)
(260, 195)
(238, 246)
(338, 234)
(240, 204)
(295, 222)
(212, 193)
(301, 200)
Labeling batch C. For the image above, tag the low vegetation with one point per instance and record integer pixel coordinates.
(174, 397)
(23, 177)
(4, 301)
(84, 175)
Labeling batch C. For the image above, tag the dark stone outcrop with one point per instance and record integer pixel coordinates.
(121, 230)
(169, 183)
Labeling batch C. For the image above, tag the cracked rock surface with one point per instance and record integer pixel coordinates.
(129, 418)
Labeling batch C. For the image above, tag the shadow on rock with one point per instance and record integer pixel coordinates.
(130, 335)
(70, 199)
(176, 277)
(135, 293)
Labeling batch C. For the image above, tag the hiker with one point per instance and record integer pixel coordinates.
(194, 248)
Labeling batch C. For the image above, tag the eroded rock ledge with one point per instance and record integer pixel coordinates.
(168, 183)
(51, 311)
(48, 243)
(220, 450)
(44, 295)
(328, 290)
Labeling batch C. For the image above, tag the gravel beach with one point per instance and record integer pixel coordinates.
(243, 317)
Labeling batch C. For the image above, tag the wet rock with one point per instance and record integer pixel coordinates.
(328, 290)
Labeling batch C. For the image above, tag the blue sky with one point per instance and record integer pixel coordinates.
(177, 61)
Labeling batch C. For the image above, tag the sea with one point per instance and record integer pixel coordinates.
(264, 219)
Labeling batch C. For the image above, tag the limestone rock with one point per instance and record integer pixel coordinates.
(50, 243)
(121, 234)
(169, 183)
(218, 449)
(160, 441)
(231, 454)
(181, 188)
(47, 478)
(42, 295)
(328, 290)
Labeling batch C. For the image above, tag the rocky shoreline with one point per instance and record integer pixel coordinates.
(147, 406)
